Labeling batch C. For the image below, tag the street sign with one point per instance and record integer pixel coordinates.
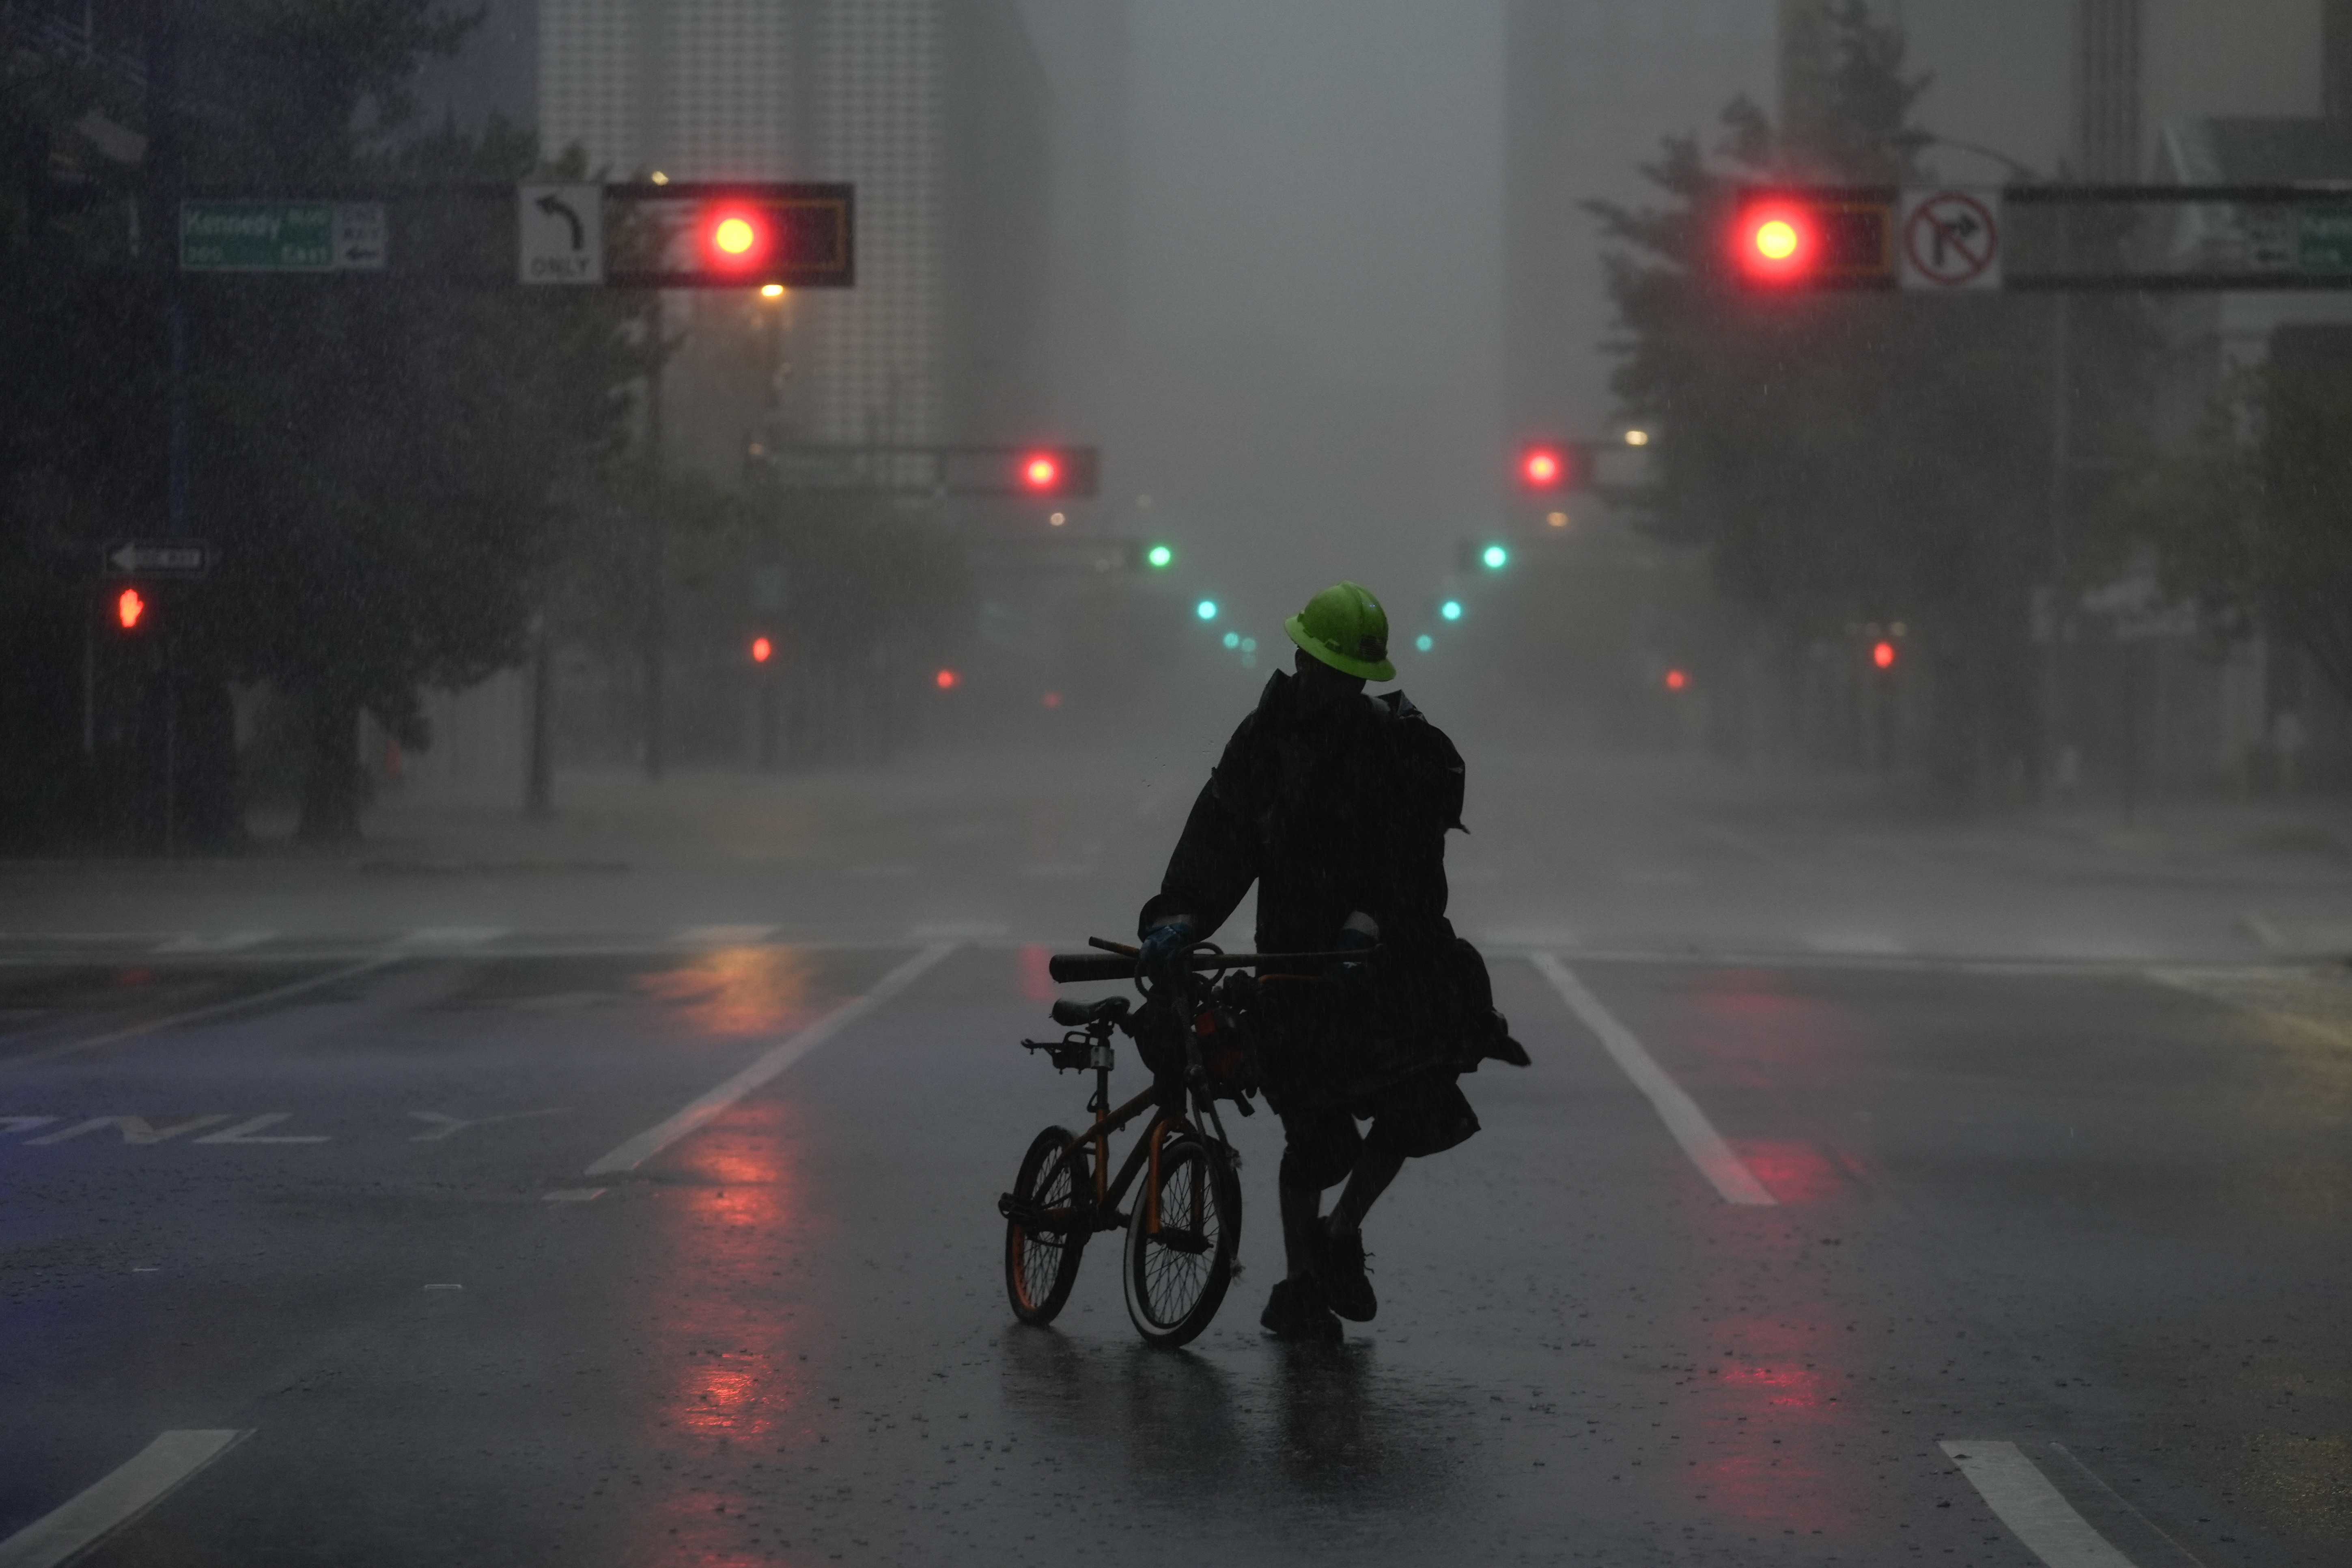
(2324, 239)
(282, 237)
(1949, 239)
(158, 557)
(361, 236)
(560, 232)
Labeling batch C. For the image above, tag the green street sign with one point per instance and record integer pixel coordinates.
(257, 236)
(2323, 240)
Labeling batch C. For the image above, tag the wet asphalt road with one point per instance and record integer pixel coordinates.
(2093, 1215)
(332, 1191)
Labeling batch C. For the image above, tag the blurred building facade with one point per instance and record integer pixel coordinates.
(936, 111)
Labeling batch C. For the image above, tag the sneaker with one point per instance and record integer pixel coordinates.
(1296, 1312)
(1339, 1267)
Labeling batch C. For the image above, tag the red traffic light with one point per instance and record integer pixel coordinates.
(1545, 468)
(737, 239)
(1882, 653)
(762, 650)
(1777, 242)
(1809, 239)
(130, 608)
(1040, 471)
(945, 679)
(1677, 680)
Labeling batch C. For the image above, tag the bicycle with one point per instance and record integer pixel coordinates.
(1184, 1227)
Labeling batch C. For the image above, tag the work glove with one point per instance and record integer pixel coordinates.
(1165, 947)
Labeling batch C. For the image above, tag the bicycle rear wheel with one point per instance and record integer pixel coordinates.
(1176, 1271)
(1048, 1216)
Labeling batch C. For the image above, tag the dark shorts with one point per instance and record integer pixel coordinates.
(1424, 1114)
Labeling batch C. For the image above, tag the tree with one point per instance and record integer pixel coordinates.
(2251, 518)
(1846, 459)
(380, 463)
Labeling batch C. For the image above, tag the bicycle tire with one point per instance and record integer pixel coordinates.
(1041, 1260)
(1175, 1277)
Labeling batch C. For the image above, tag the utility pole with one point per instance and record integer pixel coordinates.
(656, 547)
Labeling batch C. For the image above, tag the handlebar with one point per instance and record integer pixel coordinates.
(1071, 967)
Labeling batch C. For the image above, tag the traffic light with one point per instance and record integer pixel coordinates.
(738, 239)
(1487, 555)
(1548, 466)
(1047, 471)
(1825, 239)
(1677, 680)
(1451, 610)
(1206, 609)
(1159, 557)
(1883, 654)
(767, 237)
(762, 650)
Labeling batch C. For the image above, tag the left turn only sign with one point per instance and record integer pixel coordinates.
(561, 231)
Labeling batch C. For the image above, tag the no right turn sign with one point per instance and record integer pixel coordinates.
(1948, 239)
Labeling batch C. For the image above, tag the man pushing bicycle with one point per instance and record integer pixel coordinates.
(1337, 803)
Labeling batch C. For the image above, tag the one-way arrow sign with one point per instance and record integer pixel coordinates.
(158, 557)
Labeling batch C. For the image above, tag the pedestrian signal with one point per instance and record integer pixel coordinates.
(130, 608)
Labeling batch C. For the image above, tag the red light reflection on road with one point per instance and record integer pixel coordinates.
(723, 1336)
(1782, 1446)
(732, 992)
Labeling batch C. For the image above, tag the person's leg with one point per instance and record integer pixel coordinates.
(1302, 1208)
(1377, 1164)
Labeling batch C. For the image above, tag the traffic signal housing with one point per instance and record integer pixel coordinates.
(722, 235)
(1825, 238)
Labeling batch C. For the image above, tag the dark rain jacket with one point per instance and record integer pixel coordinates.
(1330, 813)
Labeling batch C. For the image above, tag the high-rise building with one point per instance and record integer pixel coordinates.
(2107, 89)
(935, 109)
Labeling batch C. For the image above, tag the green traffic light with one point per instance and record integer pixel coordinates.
(1232, 640)
(1451, 609)
(1424, 642)
(1496, 558)
(1206, 609)
(1160, 555)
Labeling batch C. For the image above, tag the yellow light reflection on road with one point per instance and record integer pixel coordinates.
(729, 993)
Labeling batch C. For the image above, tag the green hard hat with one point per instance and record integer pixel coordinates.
(1345, 627)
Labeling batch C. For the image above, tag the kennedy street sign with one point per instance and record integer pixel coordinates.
(158, 557)
(281, 237)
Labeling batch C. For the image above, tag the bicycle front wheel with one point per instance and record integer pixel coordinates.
(1048, 1216)
(1179, 1259)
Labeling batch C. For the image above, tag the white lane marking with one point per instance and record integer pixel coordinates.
(13, 1124)
(445, 1287)
(1681, 1113)
(216, 942)
(1532, 936)
(629, 1155)
(134, 1128)
(446, 1126)
(453, 936)
(724, 936)
(2023, 1500)
(572, 1194)
(1856, 943)
(956, 930)
(201, 1015)
(243, 1132)
(138, 1484)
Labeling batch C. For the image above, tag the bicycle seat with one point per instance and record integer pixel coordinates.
(1079, 1014)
